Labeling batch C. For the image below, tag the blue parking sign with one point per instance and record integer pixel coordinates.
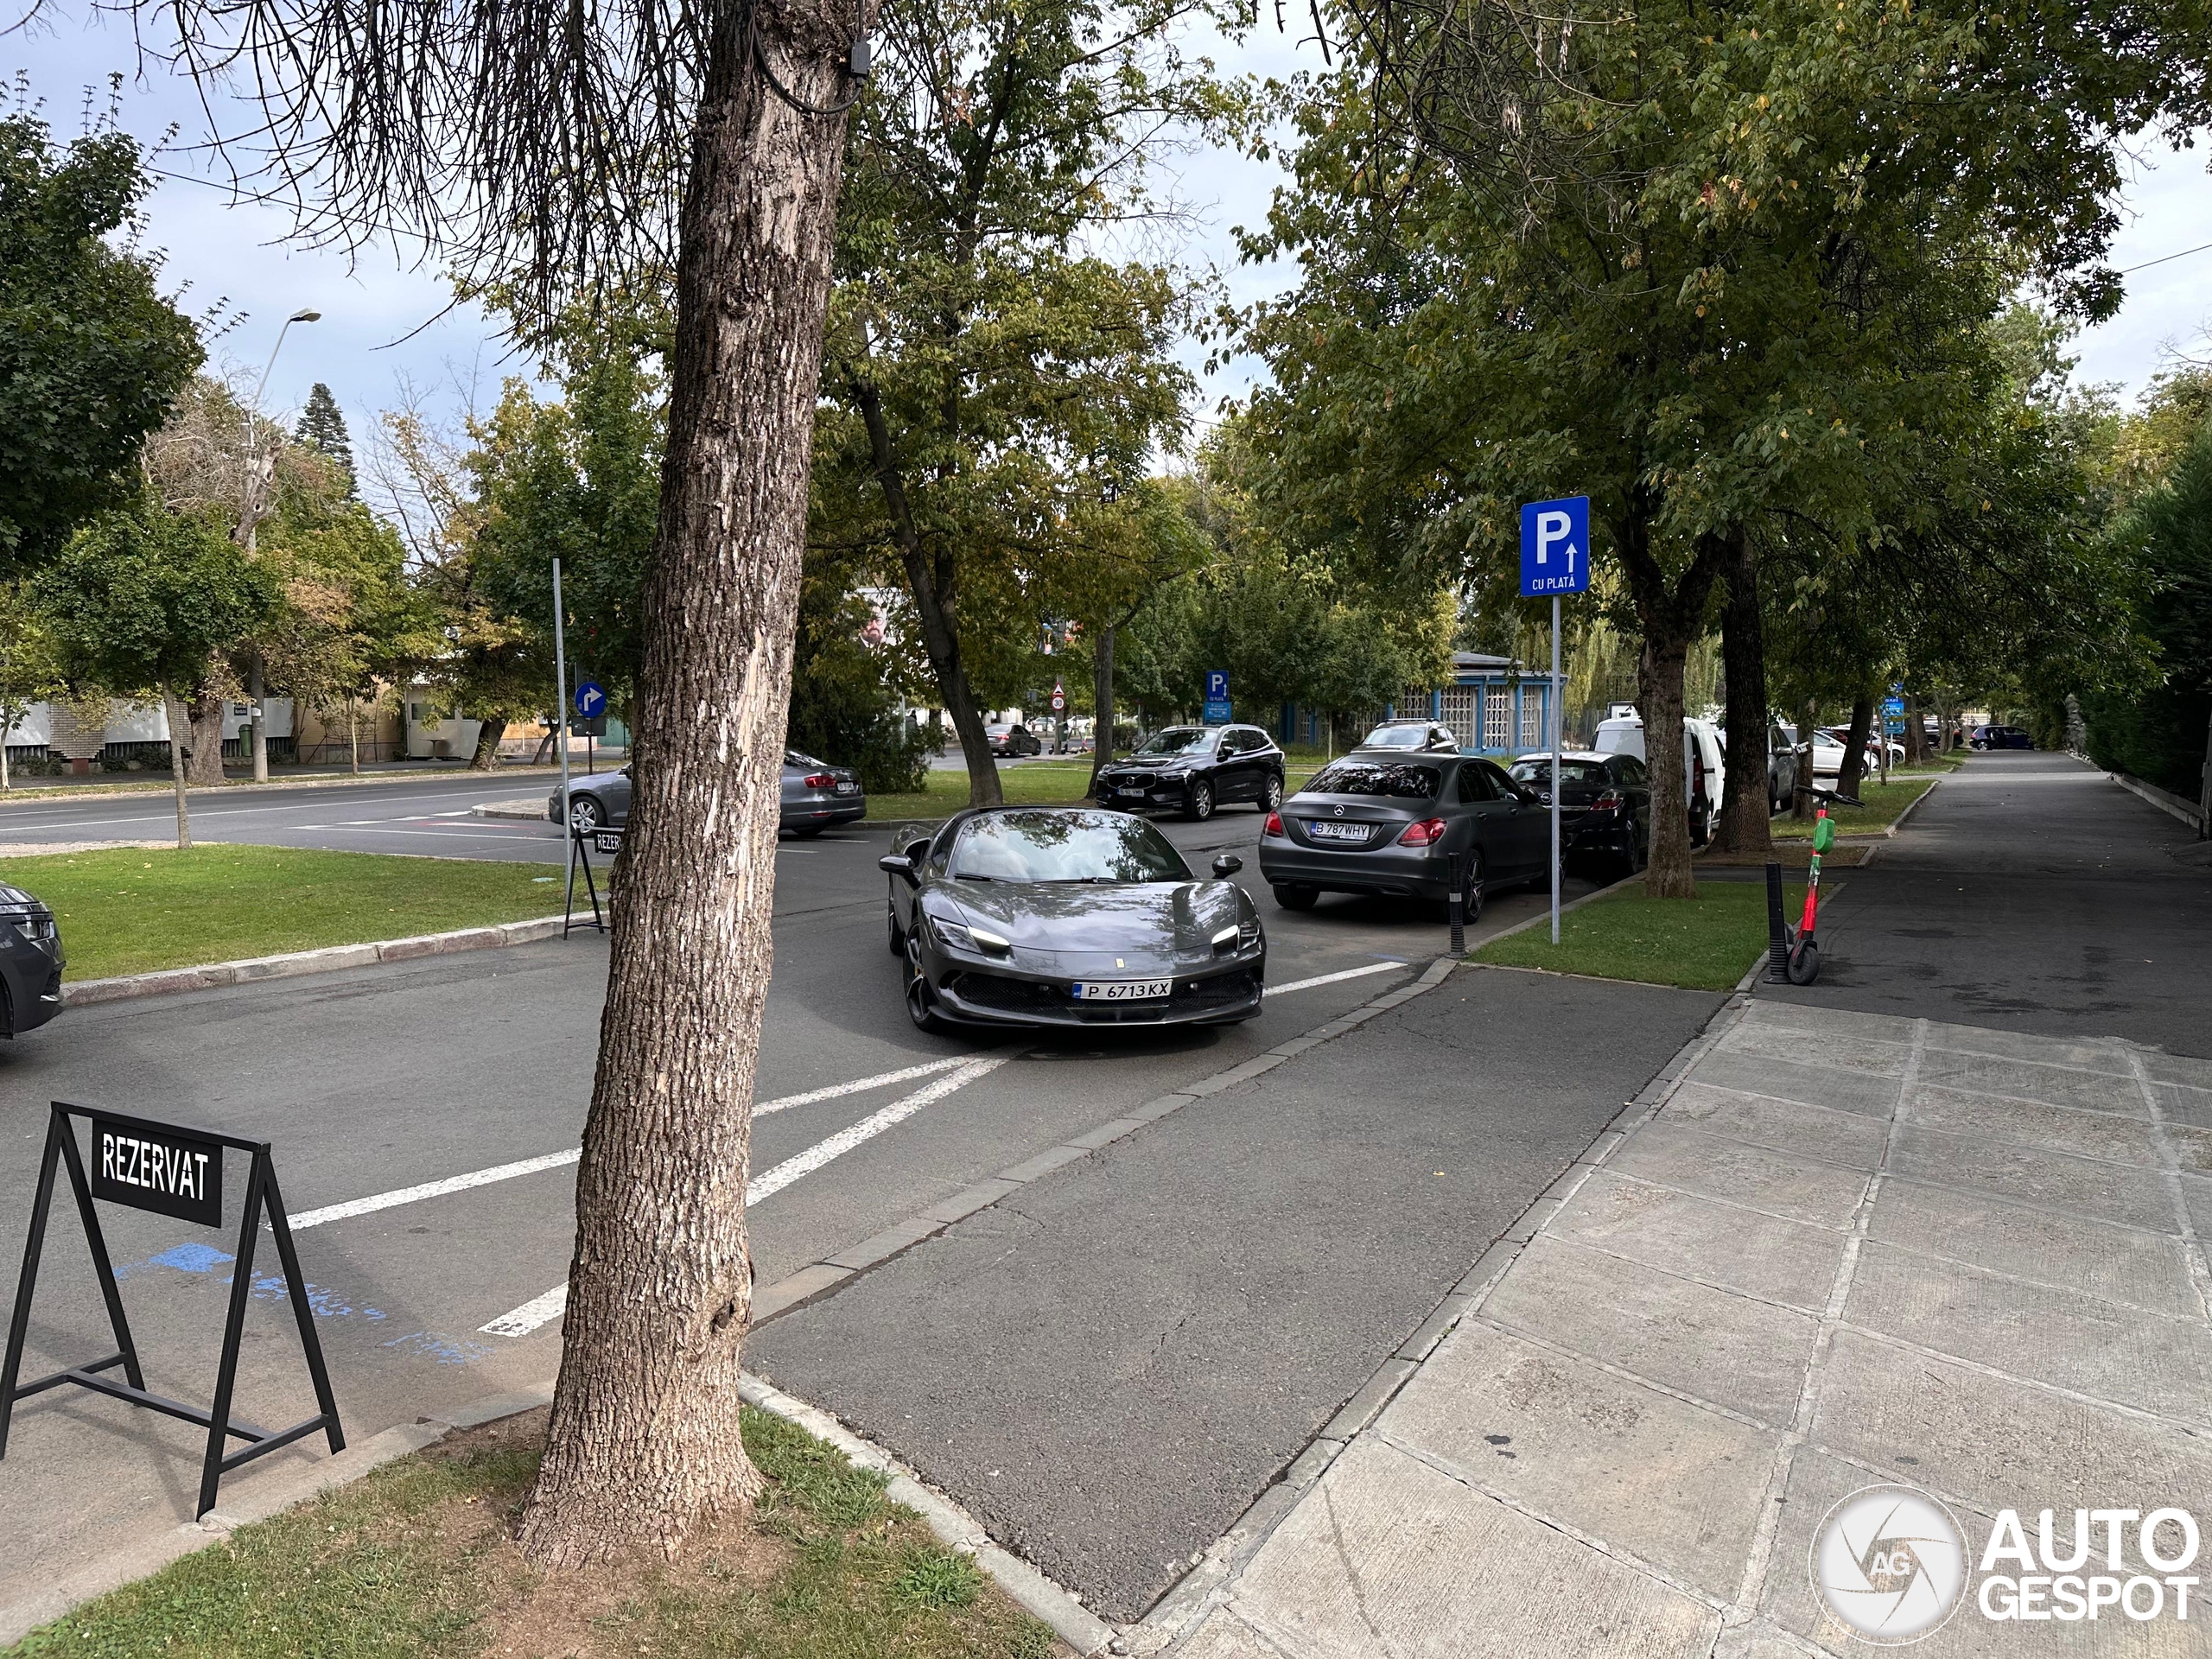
(1556, 547)
(1217, 684)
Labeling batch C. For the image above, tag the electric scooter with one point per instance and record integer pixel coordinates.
(1804, 959)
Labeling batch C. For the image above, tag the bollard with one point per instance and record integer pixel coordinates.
(1777, 929)
(1458, 908)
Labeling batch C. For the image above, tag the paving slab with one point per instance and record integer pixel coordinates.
(1764, 1256)
(1674, 1156)
(1785, 1126)
(1389, 1555)
(2115, 1138)
(2119, 1264)
(1679, 1486)
(1839, 1089)
(2109, 1349)
(2134, 1197)
(2055, 1085)
(1742, 1353)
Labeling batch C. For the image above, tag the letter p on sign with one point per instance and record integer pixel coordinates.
(1556, 547)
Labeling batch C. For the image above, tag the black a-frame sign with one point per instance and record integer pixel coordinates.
(179, 1172)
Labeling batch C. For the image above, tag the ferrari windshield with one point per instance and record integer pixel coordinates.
(1177, 739)
(1075, 846)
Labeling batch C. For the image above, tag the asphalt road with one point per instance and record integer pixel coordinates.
(2029, 893)
(1107, 1367)
(371, 1082)
(409, 814)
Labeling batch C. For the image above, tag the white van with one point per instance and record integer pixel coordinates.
(1705, 765)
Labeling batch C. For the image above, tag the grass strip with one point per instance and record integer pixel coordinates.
(131, 909)
(419, 1559)
(1883, 802)
(1702, 944)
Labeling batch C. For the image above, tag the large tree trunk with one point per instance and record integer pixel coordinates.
(1102, 698)
(206, 714)
(489, 734)
(644, 1440)
(1671, 615)
(1801, 795)
(1854, 746)
(930, 582)
(1744, 814)
(173, 707)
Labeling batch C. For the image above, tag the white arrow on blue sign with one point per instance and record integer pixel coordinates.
(591, 699)
(1556, 547)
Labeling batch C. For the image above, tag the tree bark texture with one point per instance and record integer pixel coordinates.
(488, 735)
(1102, 701)
(644, 1441)
(1854, 746)
(1801, 794)
(260, 729)
(1744, 816)
(1671, 614)
(932, 582)
(173, 707)
(206, 715)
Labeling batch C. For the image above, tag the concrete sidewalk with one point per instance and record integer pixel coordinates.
(1839, 1250)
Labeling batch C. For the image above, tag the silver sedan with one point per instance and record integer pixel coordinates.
(814, 796)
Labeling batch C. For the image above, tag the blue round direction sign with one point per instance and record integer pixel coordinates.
(591, 699)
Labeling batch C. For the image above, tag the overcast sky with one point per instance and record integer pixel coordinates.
(381, 315)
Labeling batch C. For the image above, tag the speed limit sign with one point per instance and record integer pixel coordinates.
(1059, 698)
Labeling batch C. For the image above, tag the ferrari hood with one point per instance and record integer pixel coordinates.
(1160, 921)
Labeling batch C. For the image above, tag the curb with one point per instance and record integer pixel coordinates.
(47, 796)
(526, 812)
(328, 960)
(1538, 920)
(2164, 800)
(1069, 1620)
(1186, 1606)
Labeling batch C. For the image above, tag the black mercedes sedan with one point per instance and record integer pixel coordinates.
(1069, 916)
(1383, 823)
(1194, 769)
(31, 963)
(1605, 806)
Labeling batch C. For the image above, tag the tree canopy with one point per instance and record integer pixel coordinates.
(91, 352)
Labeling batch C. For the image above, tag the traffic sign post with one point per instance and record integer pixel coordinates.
(1217, 704)
(1554, 561)
(166, 1170)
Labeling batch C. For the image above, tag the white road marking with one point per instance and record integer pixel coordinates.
(775, 1180)
(199, 812)
(542, 1310)
(439, 1189)
(1331, 979)
(434, 1189)
(857, 1086)
(532, 1314)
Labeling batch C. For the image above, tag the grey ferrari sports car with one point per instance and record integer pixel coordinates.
(1069, 916)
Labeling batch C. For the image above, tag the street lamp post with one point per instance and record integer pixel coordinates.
(249, 520)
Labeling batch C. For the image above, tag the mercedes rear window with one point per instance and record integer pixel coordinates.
(1393, 782)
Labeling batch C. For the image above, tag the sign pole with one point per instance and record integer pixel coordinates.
(1556, 723)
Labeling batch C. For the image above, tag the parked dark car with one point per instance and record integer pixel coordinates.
(1604, 807)
(2001, 737)
(31, 963)
(1069, 916)
(1424, 737)
(1194, 769)
(1375, 822)
(814, 796)
(1012, 740)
